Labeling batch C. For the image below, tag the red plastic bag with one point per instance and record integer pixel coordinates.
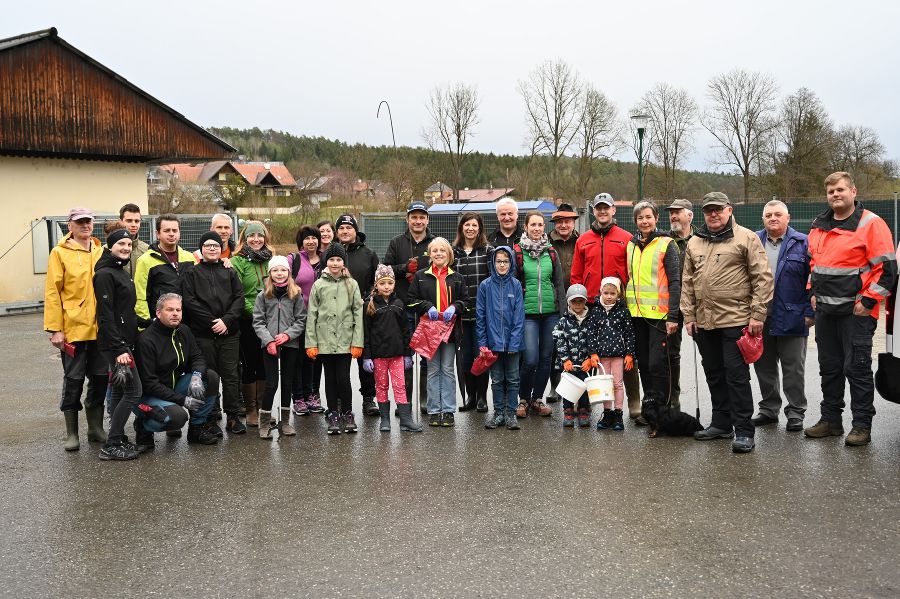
(429, 335)
(483, 362)
(751, 346)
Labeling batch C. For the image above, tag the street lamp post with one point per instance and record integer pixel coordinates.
(378, 114)
(640, 123)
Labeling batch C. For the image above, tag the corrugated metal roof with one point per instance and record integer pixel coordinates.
(542, 205)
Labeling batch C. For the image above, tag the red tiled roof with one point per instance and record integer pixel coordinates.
(484, 195)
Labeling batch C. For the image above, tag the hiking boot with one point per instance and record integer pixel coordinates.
(286, 429)
(512, 423)
(641, 421)
(234, 425)
(606, 420)
(569, 417)
(334, 423)
(406, 420)
(498, 419)
(143, 439)
(314, 404)
(618, 424)
(742, 445)
(117, 452)
(384, 408)
(265, 424)
(522, 410)
(711, 432)
(201, 435)
(72, 443)
(349, 422)
(368, 407)
(481, 405)
(823, 428)
(300, 408)
(447, 419)
(584, 418)
(539, 408)
(858, 436)
(213, 427)
(434, 420)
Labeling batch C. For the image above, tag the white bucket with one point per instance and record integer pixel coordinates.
(600, 387)
(570, 387)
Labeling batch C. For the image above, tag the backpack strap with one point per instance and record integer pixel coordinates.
(295, 265)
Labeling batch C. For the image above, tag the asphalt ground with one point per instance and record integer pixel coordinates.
(464, 512)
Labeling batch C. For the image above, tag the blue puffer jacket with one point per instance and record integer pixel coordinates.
(500, 309)
(791, 301)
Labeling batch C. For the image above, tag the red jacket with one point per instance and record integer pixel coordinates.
(851, 261)
(600, 253)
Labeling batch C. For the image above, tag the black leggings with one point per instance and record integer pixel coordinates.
(289, 357)
(338, 393)
(252, 352)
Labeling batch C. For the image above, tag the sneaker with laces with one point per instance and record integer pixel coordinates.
(314, 404)
(498, 419)
(201, 435)
(522, 410)
(512, 423)
(300, 408)
(569, 417)
(234, 425)
(349, 422)
(858, 436)
(447, 419)
(334, 423)
(540, 408)
(824, 428)
(117, 452)
(584, 418)
(434, 420)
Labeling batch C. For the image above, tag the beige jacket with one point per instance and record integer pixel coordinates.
(726, 279)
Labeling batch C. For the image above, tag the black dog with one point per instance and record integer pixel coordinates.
(663, 419)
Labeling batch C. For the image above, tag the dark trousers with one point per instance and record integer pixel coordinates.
(121, 402)
(304, 384)
(674, 342)
(87, 363)
(583, 401)
(177, 415)
(285, 363)
(366, 381)
(845, 354)
(338, 394)
(251, 353)
(222, 354)
(652, 348)
(470, 386)
(728, 377)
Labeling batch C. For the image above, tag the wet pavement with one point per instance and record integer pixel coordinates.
(540, 512)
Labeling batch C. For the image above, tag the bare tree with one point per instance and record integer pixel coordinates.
(673, 114)
(552, 95)
(741, 115)
(857, 146)
(808, 142)
(454, 113)
(599, 134)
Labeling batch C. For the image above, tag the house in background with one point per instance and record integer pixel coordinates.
(73, 132)
(440, 193)
(272, 178)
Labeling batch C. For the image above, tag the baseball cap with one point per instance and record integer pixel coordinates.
(603, 198)
(417, 205)
(679, 204)
(576, 291)
(79, 213)
(716, 198)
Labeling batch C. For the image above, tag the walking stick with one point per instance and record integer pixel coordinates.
(416, 391)
(277, 426)
(696, 379)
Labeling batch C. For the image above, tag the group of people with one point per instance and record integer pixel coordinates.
(173, 336)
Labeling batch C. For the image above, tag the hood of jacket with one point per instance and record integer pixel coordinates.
(826, 221)
(360, 241)
(512, 264)
(600, 230)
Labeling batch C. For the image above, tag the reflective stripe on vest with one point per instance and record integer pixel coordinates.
(647, 292)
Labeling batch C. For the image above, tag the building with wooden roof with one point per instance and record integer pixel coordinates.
(74, 133)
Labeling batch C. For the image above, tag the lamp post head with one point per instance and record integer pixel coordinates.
(640, 121)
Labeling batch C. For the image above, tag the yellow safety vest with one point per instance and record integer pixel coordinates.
(647, 291)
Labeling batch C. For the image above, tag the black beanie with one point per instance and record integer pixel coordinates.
(209, 236)
(335, 250)
(347, 219)
(116, 236)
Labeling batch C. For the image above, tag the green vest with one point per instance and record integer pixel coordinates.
(538, 277)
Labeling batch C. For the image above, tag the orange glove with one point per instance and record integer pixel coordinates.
(629, 362)
(355, 352)
(568, 366)
(595, 360)
(312, 352)
(586, 365)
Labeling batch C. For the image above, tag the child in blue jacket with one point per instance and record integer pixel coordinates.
(499, 323)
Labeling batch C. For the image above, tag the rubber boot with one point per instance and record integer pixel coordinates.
(384, 408)
(469, 397)
(632, 382)
(286, 428)
(265, 424)
(95, 431)
(406, 420)
(72, 443)
(249, 393)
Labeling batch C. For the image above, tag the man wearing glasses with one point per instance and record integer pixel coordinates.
(726, 285)
(213, 303)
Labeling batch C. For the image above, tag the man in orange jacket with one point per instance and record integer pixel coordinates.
(852, 268)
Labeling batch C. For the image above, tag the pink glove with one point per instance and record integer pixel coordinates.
(272, 348)
(281, 338)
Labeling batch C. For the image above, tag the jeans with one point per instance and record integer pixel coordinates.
(283, 365)
(121, 402)
(222, 354)
(845, 354)
(198, 417)
(538, 353)
(442, 380)
(728, 377)
(505, 382)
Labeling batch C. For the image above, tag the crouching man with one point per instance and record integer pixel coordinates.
(174, 378)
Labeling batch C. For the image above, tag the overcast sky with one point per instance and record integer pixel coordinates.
(321, 68)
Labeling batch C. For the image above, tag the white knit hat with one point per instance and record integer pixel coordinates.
(279, 261)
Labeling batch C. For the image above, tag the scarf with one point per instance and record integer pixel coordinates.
(263, 255)
(534, 248)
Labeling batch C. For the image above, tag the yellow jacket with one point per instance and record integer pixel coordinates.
(69, 303)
